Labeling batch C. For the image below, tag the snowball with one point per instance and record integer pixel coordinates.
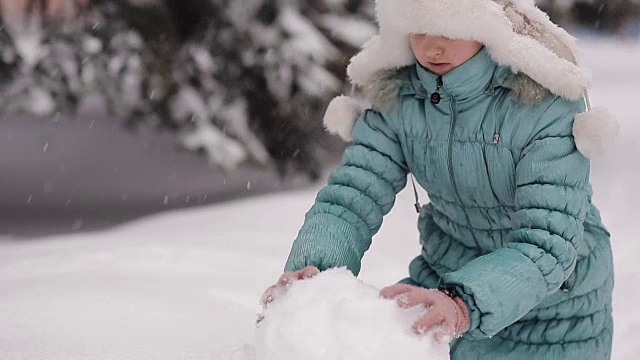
(335, 316)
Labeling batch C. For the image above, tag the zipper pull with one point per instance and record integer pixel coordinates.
(436, 97)
(496, 138)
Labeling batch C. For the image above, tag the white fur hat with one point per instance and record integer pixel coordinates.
(516, 34)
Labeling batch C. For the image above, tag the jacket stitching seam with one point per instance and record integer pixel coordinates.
(470, 206)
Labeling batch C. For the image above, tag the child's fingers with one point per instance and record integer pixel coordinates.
(430, 321)
(417, 297)
(289, 277)
(286, 279)
(308, 272)
(393, 291)
(268, 296)
(441, 336)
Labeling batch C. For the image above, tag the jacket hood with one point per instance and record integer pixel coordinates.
(516, 34)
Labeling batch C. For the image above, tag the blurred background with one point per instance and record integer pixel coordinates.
(115, 109)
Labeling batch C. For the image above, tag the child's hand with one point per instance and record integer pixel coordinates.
(285, 280)
(448, 317)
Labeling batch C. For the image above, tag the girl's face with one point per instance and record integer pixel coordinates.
(440, 54)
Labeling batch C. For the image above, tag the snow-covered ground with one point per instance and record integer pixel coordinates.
(186, 285)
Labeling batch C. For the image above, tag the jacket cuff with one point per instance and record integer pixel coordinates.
(499, 289)
(325, 241)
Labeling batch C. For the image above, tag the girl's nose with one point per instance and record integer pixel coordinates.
(434, 46)
(434, 51)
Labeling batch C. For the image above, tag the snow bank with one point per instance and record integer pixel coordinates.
(335, 316)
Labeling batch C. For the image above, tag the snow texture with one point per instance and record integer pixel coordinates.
(248, 84)
(352, 30)
(335, 316)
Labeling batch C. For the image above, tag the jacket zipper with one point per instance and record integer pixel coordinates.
(454, 119)
(435, 97)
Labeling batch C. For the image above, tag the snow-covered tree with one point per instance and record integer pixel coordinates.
(611, 16)
(9, 59)
(266, 70)
(239, 80)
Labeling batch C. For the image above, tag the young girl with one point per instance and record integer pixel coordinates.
(482, 102)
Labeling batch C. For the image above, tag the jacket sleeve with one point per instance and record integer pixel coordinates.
(551, 202)
(348, 211)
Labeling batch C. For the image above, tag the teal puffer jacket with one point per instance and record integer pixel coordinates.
(510, 223)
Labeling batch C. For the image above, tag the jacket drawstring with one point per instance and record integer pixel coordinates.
(586, 100)
(415, 193)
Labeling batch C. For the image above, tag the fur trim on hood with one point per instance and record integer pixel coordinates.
(516, 34)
